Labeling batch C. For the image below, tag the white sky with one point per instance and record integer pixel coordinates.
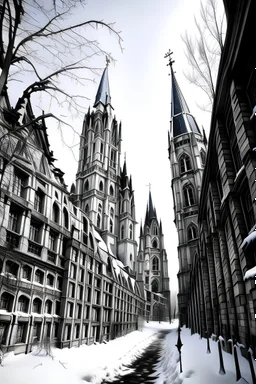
(140, 89)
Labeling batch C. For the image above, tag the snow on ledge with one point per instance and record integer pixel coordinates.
(250, 274)
(250, 239)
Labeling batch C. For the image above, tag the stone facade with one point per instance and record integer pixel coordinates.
(67, 260)
(223, 296)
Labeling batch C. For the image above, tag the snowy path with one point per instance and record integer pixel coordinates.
(143, 369)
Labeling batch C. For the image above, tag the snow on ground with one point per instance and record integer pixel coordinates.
(92, 364)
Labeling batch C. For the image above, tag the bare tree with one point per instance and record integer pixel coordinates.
(45, 45)
(203, 50)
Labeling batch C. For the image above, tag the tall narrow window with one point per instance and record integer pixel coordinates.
(65, 218)
(192, 232)
(101, 186)
(155, 264)
(130, 232)
(185, 163)
(188, 193)
(39, 200)
(34, 231)
(20, 182)
(86, 185)
(122, 232)
(111, 226)
(98, 221)
(87, 209)
(55, 213)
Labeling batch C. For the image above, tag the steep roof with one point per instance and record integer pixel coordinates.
(103, 93)
(181, 119)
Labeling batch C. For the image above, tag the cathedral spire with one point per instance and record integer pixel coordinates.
(181, 119)
(103, 93)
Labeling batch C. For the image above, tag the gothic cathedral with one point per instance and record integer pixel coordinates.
(187, 154)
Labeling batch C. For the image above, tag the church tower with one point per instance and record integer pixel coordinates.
(103, 190)
(187, 154)
(153, 264)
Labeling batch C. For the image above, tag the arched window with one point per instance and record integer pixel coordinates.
(203, 156)
(98, 221)
(39, 276)
(101, 186)
(155, 264)
(55, 213)
(98, 128)
(48, 306)
(86, 185)
(37, 305)
(155, 230)
(122, 232)
(111, 212)
(87, 209)
(130, 232)
(6, 301)
(189, 198)
(85, 225)
(11, 268)
(111, 226)
(154, 244)
(65, 218)
(100, 208)
(111, 191)
(185, 163)
(154, 286)
(192, 232)
(23, 304)
(113, 137)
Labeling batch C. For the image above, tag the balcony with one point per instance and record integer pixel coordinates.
(52, 257)
(34, 248)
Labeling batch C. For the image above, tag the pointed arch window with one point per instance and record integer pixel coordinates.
(203, 156)
(111, 191)
(188, 193)
(185, 163)
(65, 218)
(130, 231)
(155, 230)
(101, 186)
(86, 185)
(113, 137)
(192, 232)
(98, 128)
(154, 243)
(155, 264)
(111, 212)
(155, 285)
(55, 213)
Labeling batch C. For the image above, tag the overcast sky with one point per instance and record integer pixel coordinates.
(140, 89)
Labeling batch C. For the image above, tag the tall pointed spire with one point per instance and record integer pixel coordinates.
(181, 119)
(103, 93)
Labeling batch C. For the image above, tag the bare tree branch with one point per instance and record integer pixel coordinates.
(204, 49)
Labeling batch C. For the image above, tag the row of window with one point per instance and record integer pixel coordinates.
(13, 270)
(7, 303)
(101, 187)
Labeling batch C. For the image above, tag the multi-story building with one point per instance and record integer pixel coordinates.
(227, 207)
(222, 288)
(67, 260)
(153, 266)
(187, 154)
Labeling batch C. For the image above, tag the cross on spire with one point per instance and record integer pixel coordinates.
(149, 186)
(107, 61)
(168, 55)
